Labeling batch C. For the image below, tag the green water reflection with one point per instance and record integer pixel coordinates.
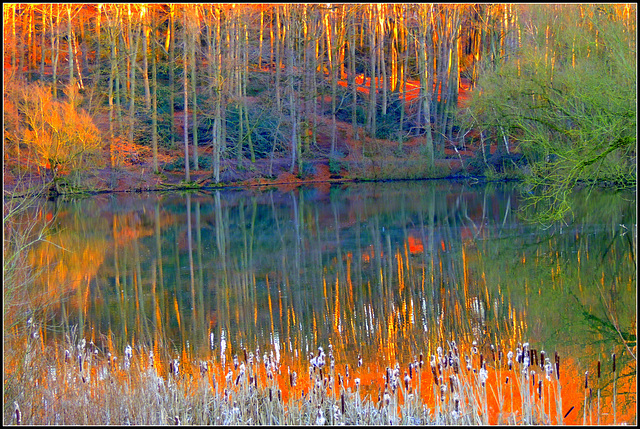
(384, 271)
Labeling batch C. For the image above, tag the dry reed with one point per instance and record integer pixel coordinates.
(95, 388)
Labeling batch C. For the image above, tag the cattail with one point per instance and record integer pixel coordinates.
(483, 376)
(481, 359)
(346, 369)
(421, 361)
(80, 362)
(586, 379)
(548, 369)
(506, 380)
(614, 362)
(342, 402)
(235, 361)
(542, 359)
(540, 389)
(18, 414)
(406, 380)
(435, 375)
(598, 368)
(245, 354)
(557, 366)
(359, 361)
(279, 395)
(270, 396)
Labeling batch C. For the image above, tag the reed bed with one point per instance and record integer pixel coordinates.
(80, 383)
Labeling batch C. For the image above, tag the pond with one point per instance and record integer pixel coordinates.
(378, 273)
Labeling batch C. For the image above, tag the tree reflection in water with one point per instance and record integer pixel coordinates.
(380, 273)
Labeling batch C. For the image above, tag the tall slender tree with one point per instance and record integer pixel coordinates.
(185, 91)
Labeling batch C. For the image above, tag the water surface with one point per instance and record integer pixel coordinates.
(378, 271)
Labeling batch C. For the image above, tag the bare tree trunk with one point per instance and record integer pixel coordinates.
(424, 29)
(13, 43)
(172, 78)
(43, 45)
(289, 50)
(97, 66)
(371, 117)
(245, 79)
(404, 72)
(145, 62)
(352, 74)
(133, 54)
(215, 85)
(55, 46)
(260, 38)
(382, 63)
(278, 60)
(194, 30)
(154, 110)
(112, 75)
(185, 39)
(330, 30)
(70, 43)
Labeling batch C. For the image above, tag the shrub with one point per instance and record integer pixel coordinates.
(61, 138)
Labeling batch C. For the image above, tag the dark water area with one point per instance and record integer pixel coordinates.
(381, 272)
